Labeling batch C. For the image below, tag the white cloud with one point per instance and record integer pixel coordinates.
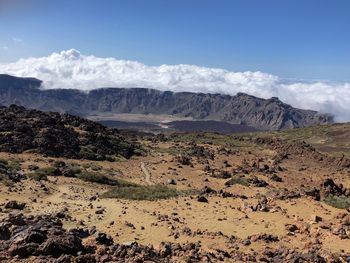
(70, 69)
(4, 47)
(17, 40)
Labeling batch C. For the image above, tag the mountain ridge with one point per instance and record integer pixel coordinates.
(267, 114)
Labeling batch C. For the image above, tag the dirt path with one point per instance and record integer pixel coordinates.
(146, 173)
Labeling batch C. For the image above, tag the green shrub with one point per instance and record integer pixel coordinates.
(90, 152)
(72, 169)
(43, 173)
(8, 167)
(237, 180)
(123, 183)
(86, 165)
(341, 202)
(140, 192)
(12, 165)
(97, 178)
(140, 152)
(38, 176)
(110, 158)
(119, 158)
(3, 162)
(49, 171)
(4, 179)
(75, 170)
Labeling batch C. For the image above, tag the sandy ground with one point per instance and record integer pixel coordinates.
(215, 224)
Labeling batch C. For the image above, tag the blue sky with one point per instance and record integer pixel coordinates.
(295, 39)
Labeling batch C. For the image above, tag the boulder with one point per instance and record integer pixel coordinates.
(58, 245)
(202, 199)
(171, 181)
(15, 205)
(316, 218)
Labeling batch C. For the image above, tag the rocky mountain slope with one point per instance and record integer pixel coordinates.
(270, 114)
(58, 135)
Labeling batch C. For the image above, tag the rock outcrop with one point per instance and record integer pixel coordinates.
(58, 135)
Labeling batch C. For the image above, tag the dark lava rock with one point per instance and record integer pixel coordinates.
(208, 190)
(222, 174)
(41, 235)
(23, 250)
(85, 259)
(10, 174)
(82, 233)
(255, 181)
(15, 205)
(33, 167)
(264, 237)
(329, 187)
(276, 178)
(5, 233)
(285, 194)
(43, 239)
(171, 181)
(100, 211)
(103, 239)
(56, 135)
(58, 245)
(201, 152)
(314, 193)
(184, 159)
(59, 164)
(36, 237)
(202, 199)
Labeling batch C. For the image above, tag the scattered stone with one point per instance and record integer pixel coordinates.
(100, 211)
(15, 205)
(103, 239)
(276, 178)
(255, 181)
(184, 159)
(171, 182)
(5, 233)
(329, 187)
(316, 218)
(202, 199)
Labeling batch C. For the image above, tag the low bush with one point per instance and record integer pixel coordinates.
(90, 152)
(43, 173)
(237, 180)
(8, 169)
(4, 179)
(99, 178)
(140, 192)
(341, 202)
(38, 176)
(13, 165)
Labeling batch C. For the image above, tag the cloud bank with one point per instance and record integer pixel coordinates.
(70, 69)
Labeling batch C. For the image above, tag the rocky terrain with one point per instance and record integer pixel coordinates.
(189, 197)
(52, 134)
(242, 109)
